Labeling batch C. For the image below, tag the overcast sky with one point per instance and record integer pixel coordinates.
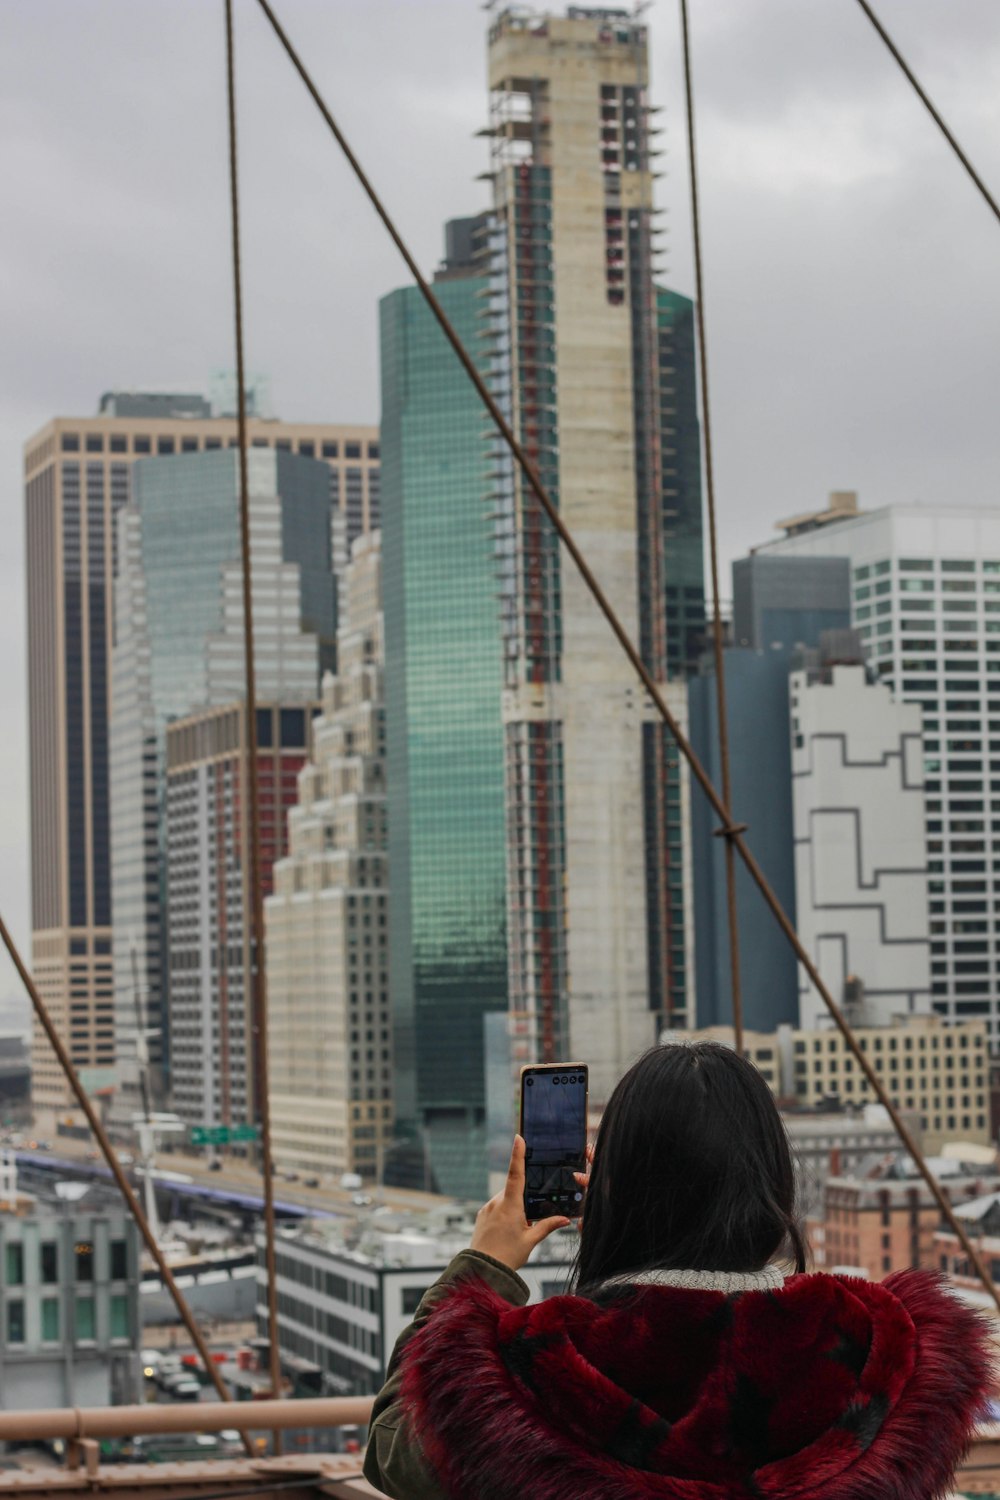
(852, 289)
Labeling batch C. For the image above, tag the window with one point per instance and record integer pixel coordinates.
(15, 1322)
(95, 442)
(352, 450)
(141, 445)
(119, 1260)
(85, 1322)
(118, 442)
(49, 1262)
(119, 1317)
(373, 450)
(70, 442)
(330, 450)
(50, 1320)
(411, 1296)
(14, 1264)
(307, 448)
(84, 1260)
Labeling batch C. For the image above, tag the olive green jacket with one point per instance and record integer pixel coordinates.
(394, 1462)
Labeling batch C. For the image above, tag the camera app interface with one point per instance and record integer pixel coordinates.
(555, 1135)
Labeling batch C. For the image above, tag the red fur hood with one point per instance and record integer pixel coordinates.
(830, 1388)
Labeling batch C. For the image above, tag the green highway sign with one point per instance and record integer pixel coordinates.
(221, 1135)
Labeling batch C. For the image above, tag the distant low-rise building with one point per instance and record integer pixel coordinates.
(886, 1219)
(939, 1071)
(936, 1072)
(70, 1331)
(345, 1297)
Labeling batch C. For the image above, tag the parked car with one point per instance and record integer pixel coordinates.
(185, 1389)
(310, 1182)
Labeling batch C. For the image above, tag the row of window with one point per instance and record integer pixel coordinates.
(48, 1262)
(84, 1320)
(119, 442)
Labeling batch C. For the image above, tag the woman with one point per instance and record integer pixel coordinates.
(689, 1362)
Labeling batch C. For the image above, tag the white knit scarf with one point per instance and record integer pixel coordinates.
(770, 1279)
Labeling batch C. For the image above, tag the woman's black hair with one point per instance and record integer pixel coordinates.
(692, 1170)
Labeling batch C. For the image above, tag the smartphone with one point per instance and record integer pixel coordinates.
(554, 1127)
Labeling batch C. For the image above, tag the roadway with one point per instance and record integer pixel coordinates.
(237, 1182)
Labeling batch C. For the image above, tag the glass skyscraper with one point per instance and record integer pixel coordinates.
(448, 954)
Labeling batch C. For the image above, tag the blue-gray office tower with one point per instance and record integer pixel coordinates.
(779, 604)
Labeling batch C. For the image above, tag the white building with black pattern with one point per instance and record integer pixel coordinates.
(860, 838)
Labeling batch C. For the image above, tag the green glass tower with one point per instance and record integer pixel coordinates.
(445, 745)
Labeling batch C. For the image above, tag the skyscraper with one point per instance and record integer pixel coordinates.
(179, 647)
(76, 480)
(926, 603)
(598, 924)
(329, 1021)
(448, 953)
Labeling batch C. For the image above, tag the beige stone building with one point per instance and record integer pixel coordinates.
(326, 924)
(934, 1069)
(76, 480)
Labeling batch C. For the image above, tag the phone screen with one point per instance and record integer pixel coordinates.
(554, 1127)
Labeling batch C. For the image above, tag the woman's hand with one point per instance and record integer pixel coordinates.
(501, 1227)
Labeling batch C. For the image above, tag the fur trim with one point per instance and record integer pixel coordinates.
(828, 1389)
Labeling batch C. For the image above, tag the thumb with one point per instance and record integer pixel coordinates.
(545, 1227)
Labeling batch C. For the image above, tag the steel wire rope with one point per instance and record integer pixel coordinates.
(926, 101)
(261, 1070)
(733, 832)
(721, 709)
(111, 1157)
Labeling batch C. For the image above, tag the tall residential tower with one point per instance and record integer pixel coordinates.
(597, 859)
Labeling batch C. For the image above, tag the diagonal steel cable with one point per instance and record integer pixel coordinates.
(251, 822)
(934, 114)
(721, 709)
(695, 767)
(111, 1157)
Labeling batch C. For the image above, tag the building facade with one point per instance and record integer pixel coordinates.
(71, 1326)
(860, 840)
(926, 602)
(76, 480)
(789, 601)
(761, 778)
(179, 647)
(887, 1220)
(207, 841)
(599, 958)
(329, 1016)
(939, 1071)
(342, 1309)
(443, 683)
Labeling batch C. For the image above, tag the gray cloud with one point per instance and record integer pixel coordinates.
(851, 282)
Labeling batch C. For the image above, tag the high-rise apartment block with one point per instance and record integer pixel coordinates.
(207, 838)
(179, 647)
(448, 951)
(76, 480)
(926, 602)
(329, 1021)
(585, 345)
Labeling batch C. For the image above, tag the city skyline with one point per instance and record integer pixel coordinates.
(863, 166)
